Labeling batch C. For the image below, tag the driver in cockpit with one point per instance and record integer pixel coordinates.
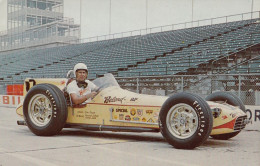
(81, 90)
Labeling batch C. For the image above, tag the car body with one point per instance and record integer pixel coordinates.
(116, 109)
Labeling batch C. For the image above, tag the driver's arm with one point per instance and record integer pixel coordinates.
(80, 99)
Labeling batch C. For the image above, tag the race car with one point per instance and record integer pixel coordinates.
(185, 120)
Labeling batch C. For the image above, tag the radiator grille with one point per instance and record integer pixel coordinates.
(240, 123)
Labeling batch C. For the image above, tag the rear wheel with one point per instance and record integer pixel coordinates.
(185, 120)
(45, 109)
(231, 99)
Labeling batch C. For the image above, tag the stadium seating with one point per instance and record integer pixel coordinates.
(163, 53)
(251, 66)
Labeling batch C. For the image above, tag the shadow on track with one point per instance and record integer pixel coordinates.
(152, 137)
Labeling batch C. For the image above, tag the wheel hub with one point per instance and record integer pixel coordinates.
(40, 110)
(182, 121)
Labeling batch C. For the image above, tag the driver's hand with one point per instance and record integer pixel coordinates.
(93, 94)
(98, 89)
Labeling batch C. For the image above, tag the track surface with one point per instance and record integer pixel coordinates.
(18, 146)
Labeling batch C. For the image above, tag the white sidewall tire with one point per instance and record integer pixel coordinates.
(201, 113)
(54, 101)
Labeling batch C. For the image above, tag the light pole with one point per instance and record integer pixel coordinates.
(192, 13)
(146, 16)
(109, 17)
(80, 19)
(252, 8)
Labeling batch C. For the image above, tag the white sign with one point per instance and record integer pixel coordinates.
(253, 114)
(10, 100)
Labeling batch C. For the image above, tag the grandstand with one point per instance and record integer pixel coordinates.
(198, 50)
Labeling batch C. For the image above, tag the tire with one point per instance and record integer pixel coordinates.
(180, 112)
(45, 110)
(231, 99)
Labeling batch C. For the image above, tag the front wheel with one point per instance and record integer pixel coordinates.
(45, 109)
(185, 120)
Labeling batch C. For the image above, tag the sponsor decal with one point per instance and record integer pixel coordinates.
(229, 125)
(127, 117)
(150, 120)
(121, 110)
(83, 91)
(136, 118)
(133, 111)
(149, 112)
(139, 112)
(109, 99)
(62, 82)
(111, 109)
(133, 99)
(143, 120)
(156, 115)
(233, 115)
(121, 116)
(224, 117)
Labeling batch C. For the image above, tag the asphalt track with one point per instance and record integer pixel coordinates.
(18, 146)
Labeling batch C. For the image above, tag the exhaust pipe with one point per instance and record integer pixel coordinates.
(21, 122)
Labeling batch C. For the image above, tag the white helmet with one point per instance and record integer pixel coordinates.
(80, 66)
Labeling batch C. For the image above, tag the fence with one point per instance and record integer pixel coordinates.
(246, 86)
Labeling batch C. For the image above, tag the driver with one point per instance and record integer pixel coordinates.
(81, 90)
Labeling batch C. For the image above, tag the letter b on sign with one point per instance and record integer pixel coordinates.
(5, 99)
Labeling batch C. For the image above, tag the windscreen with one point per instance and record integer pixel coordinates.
(107, 81)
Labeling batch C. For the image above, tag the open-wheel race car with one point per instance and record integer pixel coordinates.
(185, 120)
